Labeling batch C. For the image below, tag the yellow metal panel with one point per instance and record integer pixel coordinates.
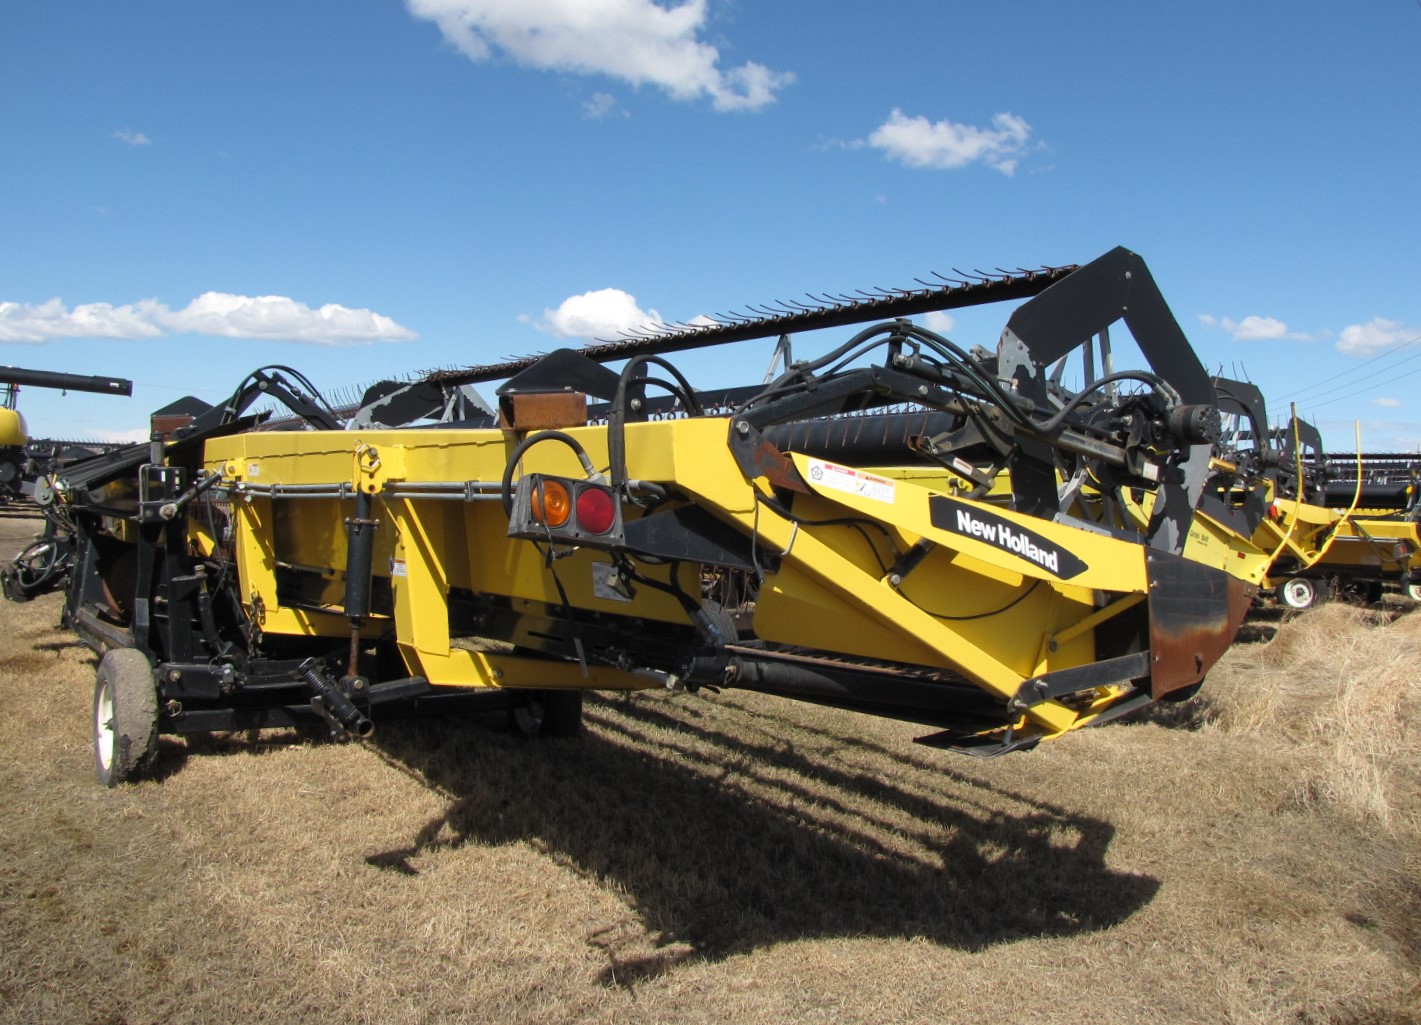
(13, 432)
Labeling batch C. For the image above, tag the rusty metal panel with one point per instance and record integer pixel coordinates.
(166, 425)
(1195, 611)
(540, 411)
(757, 456)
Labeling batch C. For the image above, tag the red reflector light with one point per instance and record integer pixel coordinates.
(550, 503)
(596, 512)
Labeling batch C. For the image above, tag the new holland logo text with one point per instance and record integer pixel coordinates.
(1013, 541)
(995, 530)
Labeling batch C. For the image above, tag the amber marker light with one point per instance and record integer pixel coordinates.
(550, 503)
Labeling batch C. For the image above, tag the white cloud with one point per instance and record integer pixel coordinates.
(267, 317)
(1386, 403)
(1254, 328)
(599, 106)
(132, 138)
(637, 41)
(603, 313)
(1375, 335)
(277, 318)
(23, 322)
(946, 145)
(939, 321)
(126, 437)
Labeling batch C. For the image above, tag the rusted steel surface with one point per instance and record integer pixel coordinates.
(1195, 611)
(540, 411)
(758, 457)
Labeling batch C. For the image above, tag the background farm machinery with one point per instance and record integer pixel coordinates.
(18, 452)
(1340, 524)
(26, 463)
(976, 541)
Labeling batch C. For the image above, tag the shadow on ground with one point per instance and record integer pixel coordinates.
(723, 842)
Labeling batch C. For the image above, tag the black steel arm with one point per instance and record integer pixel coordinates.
(823, 313)
(1117, 286)
(263, 383)
(66, 382)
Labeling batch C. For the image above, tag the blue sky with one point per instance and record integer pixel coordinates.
(375, 188)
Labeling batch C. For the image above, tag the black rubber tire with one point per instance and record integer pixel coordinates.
(1299, 593)
(125, 717)
(549, 713)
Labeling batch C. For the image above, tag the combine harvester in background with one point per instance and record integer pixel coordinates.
(1343, 525)
(898, 527)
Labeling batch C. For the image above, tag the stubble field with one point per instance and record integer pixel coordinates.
(1253, 855)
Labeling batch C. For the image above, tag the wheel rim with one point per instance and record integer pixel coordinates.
(529, 717)
(103, 727)
(1297, 593)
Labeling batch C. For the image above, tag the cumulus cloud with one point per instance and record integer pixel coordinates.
(128, 437)
(1254, 328)
(1375, 335)
(603, 313)
(599, 106)
(267, 317)
(637, 41)
(947, 145)
(132, 138)
(939, 321)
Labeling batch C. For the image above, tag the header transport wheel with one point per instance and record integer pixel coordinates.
(125, 717)
(1302, 592)
(549, 713)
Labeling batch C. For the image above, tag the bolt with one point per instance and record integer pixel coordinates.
(174, 675)
(742, 428)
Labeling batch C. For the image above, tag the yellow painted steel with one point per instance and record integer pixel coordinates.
(971, 607)
(13, 432)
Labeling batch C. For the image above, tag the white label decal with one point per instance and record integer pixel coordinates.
(254, 469)
(607, 582)
(855, 482)
(398, 568)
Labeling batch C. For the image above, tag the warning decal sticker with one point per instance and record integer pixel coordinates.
(855, 482)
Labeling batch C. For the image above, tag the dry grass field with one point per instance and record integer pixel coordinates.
(1251, 856)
